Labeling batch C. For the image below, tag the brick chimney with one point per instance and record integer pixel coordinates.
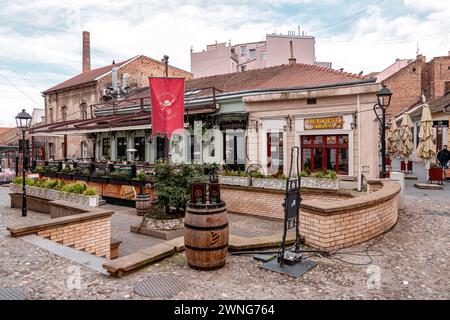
(421, 58)
(292, 60)
(86, 51)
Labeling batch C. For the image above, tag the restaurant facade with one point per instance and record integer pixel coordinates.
(248, 119)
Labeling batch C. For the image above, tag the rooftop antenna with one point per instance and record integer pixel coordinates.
(299, 30)
(417, 51)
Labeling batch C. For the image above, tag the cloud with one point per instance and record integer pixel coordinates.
(46, 34)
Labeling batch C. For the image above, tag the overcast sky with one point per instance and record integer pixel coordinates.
(40, 40)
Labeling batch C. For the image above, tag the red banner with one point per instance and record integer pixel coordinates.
(167, 95)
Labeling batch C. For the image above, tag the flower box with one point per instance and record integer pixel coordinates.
(50, 175)
(98, 179)
(320, 183)
(50, 194)
(123, 182)
(65, 176)
(235, 180)
(269, 183)
(80, 177)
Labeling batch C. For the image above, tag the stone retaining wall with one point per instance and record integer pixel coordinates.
(50, 194)
(329, 220)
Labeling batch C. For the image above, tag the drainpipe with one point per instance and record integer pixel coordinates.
(358, 119)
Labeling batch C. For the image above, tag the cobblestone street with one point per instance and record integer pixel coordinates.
(409, 262)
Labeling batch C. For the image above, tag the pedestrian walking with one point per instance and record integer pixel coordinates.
(443, 157)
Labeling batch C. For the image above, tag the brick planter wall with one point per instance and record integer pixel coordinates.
(81, 227)
(268, 203)
(329, 220)
(92, 236)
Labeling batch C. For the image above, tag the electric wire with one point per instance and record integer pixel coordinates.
(18, 74)
(347, 18)
(21, 91)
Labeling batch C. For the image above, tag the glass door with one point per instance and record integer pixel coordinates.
(234, 149)
(275, 153)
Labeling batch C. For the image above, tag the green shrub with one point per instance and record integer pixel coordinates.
(119, 175)
(66, 169)
(90, 192)
(76, 188)
(326, 174)
(39, 169)
(172, 184)
(305, 173)
(28, 182)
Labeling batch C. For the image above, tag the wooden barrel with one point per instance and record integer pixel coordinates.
(143, 204)
(206, 235)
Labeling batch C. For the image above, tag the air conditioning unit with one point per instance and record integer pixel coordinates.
(106, 94)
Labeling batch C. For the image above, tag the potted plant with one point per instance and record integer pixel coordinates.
(99, 176)
(66, 173)
(81, 174)
(139, 180)
(51, 172)
(119, 178)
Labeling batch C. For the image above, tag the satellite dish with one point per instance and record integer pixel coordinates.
(132, 150)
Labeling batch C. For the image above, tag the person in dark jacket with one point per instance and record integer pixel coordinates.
(443, 157)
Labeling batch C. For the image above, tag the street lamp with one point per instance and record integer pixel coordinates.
(384, 99)
(23, 121)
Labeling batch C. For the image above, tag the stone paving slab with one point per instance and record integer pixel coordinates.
(81, 257)
(177, 243)
(122, 265)
(237, 243)
(428, 186)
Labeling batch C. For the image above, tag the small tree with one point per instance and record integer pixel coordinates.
(172, 184)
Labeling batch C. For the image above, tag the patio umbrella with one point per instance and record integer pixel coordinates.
(426, 149)
(406, 138)
(392, 139)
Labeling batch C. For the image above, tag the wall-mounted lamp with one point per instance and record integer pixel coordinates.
(289, 123)
(354, 125)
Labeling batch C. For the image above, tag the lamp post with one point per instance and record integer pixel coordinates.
(23, 121)
(384, 99)
(165, 60)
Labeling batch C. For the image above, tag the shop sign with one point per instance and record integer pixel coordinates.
(324, 123)
(440, 124)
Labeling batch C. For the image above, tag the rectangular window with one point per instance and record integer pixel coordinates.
(160, 148)
(264, 56)
(139, 145)
(243, 68)
(51, 150)
(243, 50)
(50, 112)
(106, 147)
(121, 149)
(311, 101)
(252, 53)
(63, 113)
